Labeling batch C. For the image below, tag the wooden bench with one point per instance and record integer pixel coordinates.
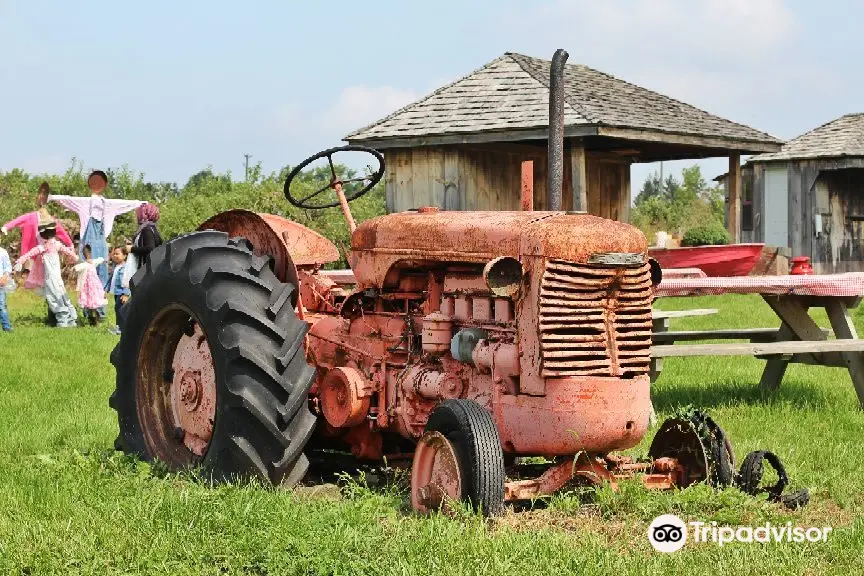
(660, 325)
(759, 349)
(751, 334)
(660, 318)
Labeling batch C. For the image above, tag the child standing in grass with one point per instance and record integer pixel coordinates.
(91, 292)
(120, 292)
(55, 290)
(6, 284)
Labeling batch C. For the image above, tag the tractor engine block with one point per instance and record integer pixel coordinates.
(392, 355)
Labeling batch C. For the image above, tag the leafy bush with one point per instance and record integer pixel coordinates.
(705, 236)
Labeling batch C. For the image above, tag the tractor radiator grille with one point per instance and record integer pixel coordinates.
(595, 321)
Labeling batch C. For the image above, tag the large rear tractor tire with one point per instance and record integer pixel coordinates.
(211, 367)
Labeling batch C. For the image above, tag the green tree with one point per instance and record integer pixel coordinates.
(651, 188)
(677, 206)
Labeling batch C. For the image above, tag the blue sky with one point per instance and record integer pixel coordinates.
(172, 87)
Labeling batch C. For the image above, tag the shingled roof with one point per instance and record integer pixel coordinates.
(508, 98)
(842, 137)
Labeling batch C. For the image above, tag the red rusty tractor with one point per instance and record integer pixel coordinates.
(459, 339)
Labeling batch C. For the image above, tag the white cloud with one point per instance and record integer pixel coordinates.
(745, 24)
(725, 56)
(357, 106)
(675, 29)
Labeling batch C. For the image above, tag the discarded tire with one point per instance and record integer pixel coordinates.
(750, 480)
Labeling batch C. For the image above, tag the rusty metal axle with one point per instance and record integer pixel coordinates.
(660, 474)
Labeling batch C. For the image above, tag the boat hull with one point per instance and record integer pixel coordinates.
(730, 260)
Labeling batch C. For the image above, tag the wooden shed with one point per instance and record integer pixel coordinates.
(462, 147)
(809, 196)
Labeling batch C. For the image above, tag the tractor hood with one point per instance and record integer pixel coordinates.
(432, 235)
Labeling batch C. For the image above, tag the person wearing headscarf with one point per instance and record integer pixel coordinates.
(147, 236)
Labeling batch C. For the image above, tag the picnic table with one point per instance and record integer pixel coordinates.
(798, 339)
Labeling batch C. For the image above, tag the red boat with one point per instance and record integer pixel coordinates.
(730, 260)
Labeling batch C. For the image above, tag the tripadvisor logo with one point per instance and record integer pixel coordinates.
(668, 533)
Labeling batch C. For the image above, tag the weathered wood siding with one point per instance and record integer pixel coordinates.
(801, 177)
(832, 188)
(608, 187)
(489, 178)
(838, 195)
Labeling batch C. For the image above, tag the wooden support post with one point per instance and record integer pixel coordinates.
(733, 182)
(775, 368)
(796, 324)
(579, 179)
(528, 185)
(626, 196)
(843, 328)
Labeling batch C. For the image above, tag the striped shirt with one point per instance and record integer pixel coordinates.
(6, 270)
(5, 263)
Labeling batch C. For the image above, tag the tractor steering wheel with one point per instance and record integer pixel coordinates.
(336, 182)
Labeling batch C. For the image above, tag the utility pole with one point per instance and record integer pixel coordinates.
(247, 156)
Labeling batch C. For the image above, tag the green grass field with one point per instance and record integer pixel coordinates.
(69, 504)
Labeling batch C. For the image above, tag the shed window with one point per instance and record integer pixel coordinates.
(746, 203)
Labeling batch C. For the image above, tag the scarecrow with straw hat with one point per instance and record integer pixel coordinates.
(29, 225)
(96, 215)
(54, 287)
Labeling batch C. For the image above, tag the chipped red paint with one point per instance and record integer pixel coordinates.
(592, 414)
(381, 242)
(595, 321)
(591, 469)
(345, 395)
(289, 243)
(528, 185)
(660, 474)
(366, 443)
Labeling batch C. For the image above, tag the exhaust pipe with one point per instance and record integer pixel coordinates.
(555, 148)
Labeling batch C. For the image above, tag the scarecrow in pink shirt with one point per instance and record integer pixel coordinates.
(29, 225)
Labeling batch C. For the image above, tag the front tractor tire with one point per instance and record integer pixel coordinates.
(459, 457)
(211, 367)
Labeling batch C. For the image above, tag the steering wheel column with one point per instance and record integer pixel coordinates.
(343, 203)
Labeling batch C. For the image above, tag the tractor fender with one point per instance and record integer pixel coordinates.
(291, 245)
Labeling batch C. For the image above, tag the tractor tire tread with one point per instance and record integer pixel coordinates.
(473, 433)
